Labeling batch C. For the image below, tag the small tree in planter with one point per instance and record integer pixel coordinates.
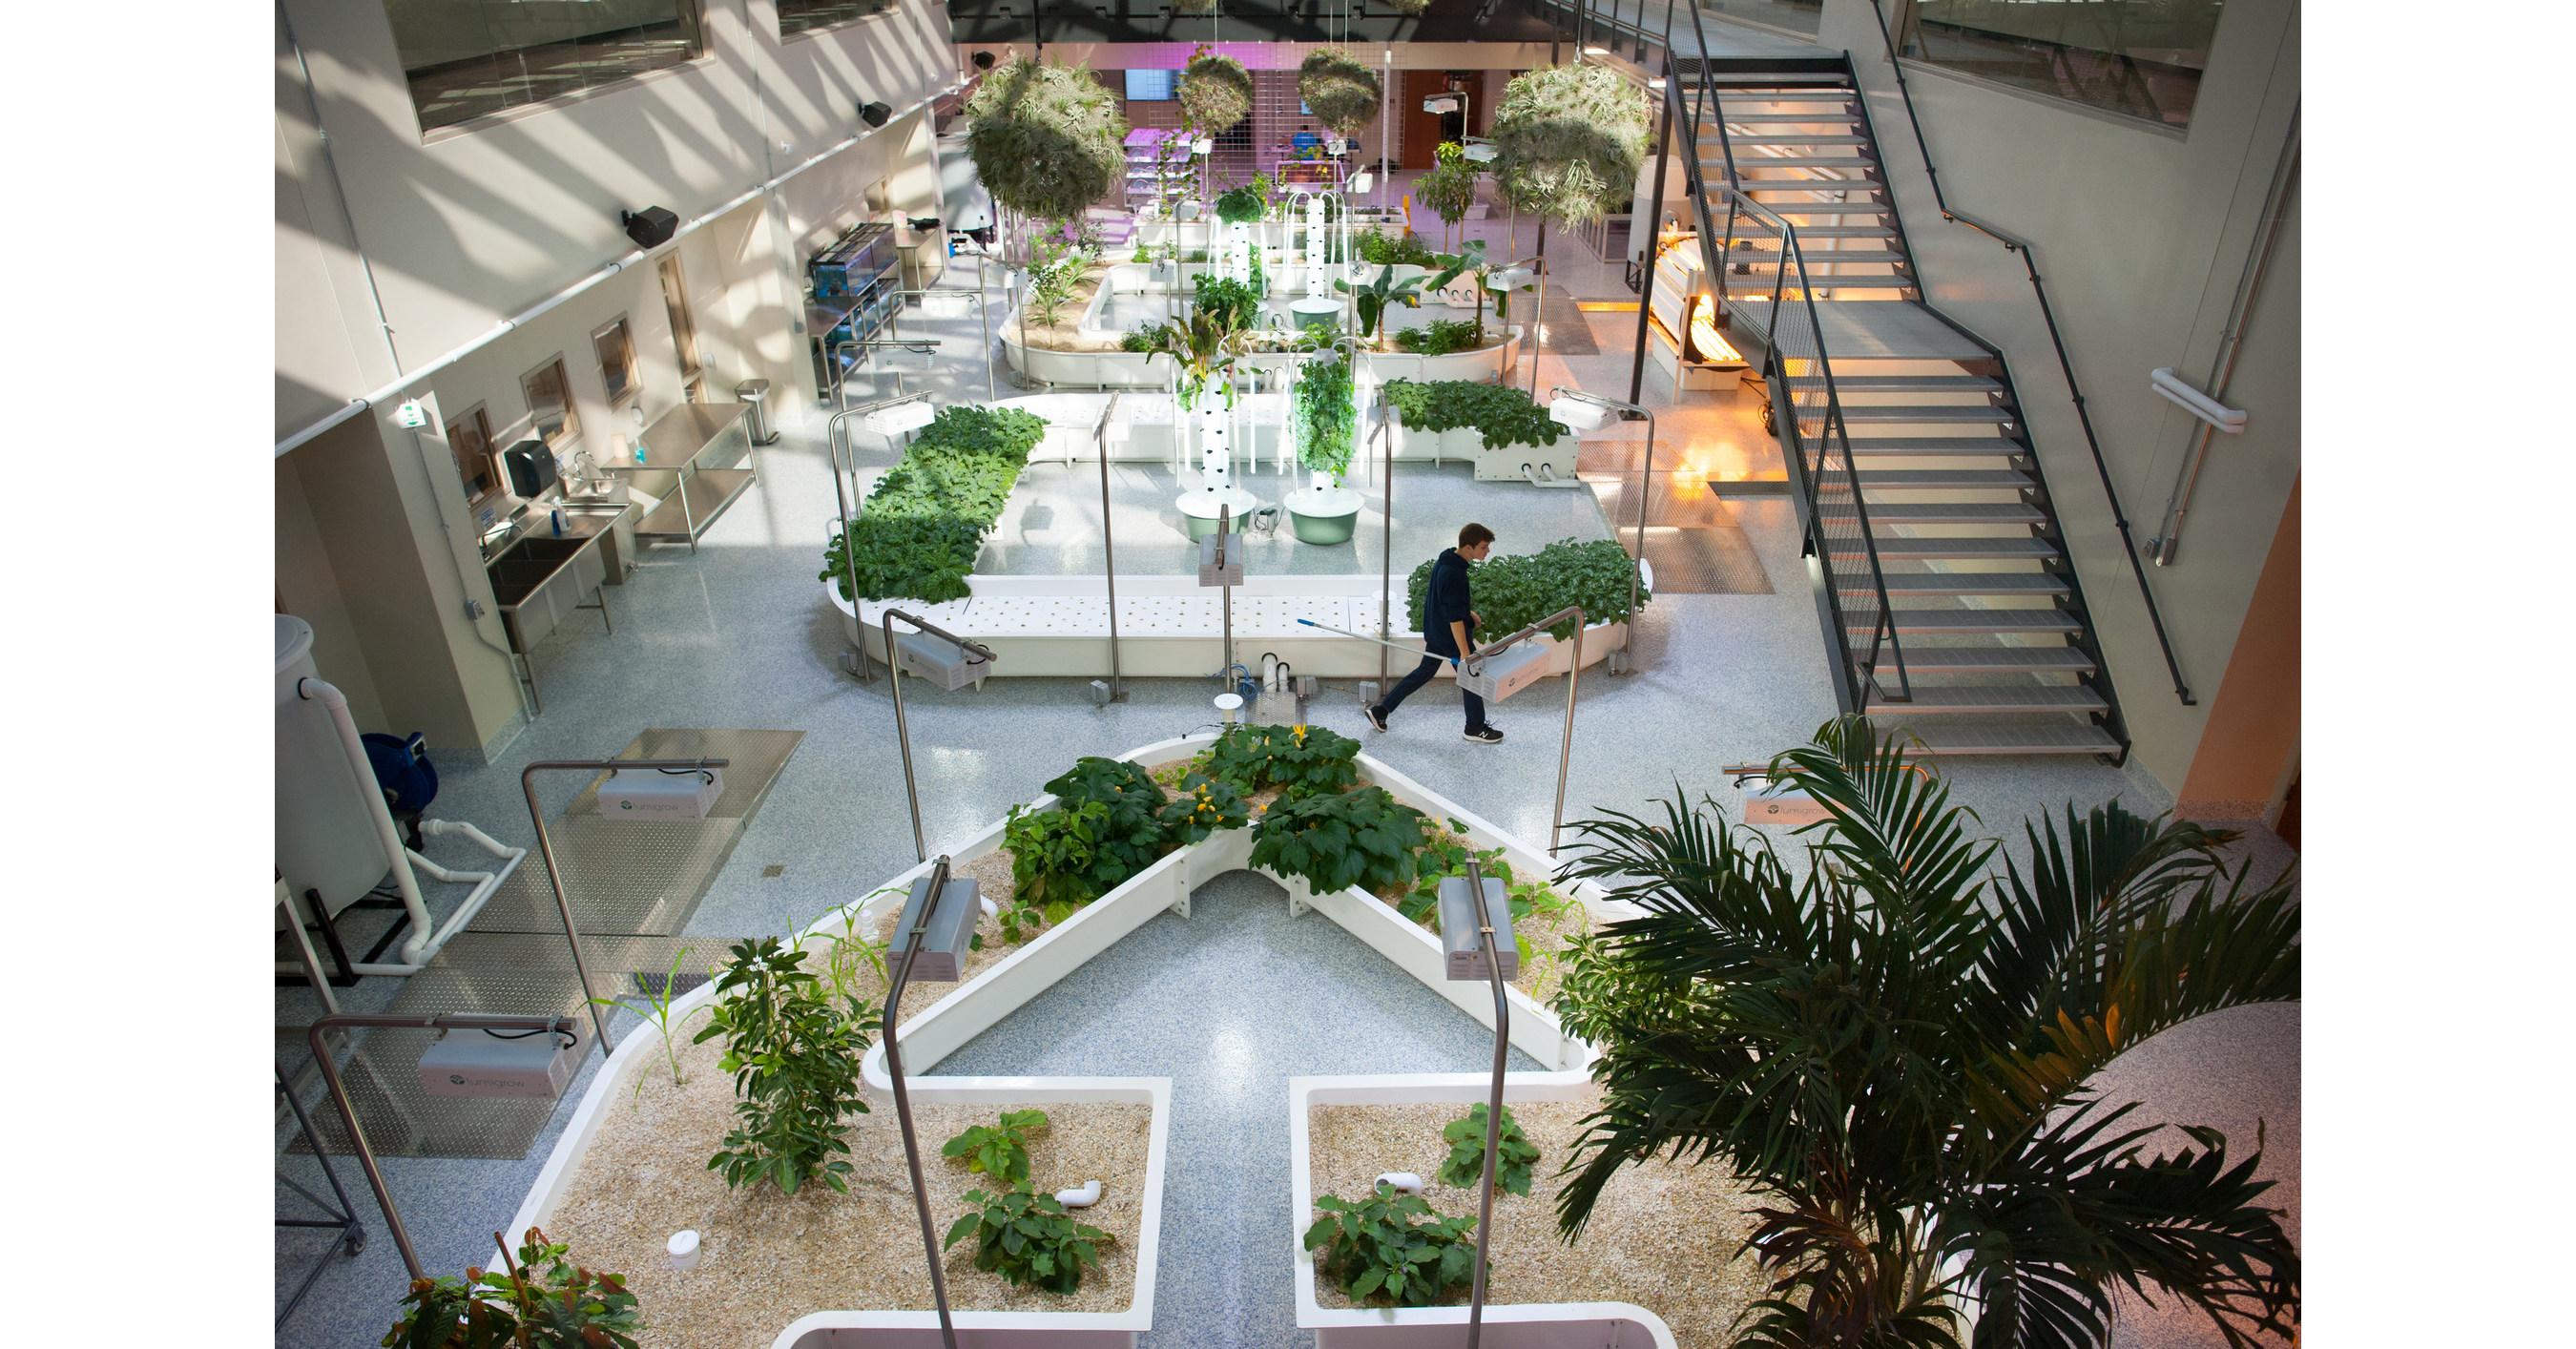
(1344, 93)
(1215, 92)
(1450, 188)
(1568, 142)
(795, 1061)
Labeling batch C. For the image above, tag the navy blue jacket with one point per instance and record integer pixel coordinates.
(1446, 603)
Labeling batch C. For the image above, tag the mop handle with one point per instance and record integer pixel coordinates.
(1453, 660)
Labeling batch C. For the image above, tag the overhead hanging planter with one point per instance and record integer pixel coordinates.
(1046, 139)
(1216, 91)
(1343, 93)
(1408, 6)
(1194, 6)
(1569, 141)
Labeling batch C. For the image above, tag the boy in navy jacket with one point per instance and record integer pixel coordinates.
(1447, 621)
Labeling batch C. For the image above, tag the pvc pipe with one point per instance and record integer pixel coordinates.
(2227, 419)
(1545, 476)
(1084, 1197)
(397, 856)
(683, 1250)
(1404, 1181)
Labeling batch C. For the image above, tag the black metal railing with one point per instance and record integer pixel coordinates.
(2065, 364)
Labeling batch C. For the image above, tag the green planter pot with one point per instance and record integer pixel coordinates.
(1324, 517)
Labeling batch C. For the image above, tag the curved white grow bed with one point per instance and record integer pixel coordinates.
(1171, 627)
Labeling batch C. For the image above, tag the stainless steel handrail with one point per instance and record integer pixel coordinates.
(1108, 549)
(894, 1075)
(1573, 676)
(894, 682)
(1645, 486)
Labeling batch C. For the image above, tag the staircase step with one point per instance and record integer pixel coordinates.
(1921, 479)
(1957, 583)
(1754, 93)
(1916, 412)
(1954, 621)
(1783, 162)
(1819, 257)
(1939, 513)
(1748, 117)
(1972, 738)
(1718, 212)
(1803, 184)
(1990, 698)
(1982, 660)
(1798, 140)
(1864, 444)
(1910, 383)
(1892, 549)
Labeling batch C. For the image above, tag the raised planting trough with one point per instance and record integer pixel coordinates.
(966, 1010)
(1169, 626)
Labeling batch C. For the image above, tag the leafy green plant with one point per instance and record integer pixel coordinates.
(1057, 864)
(1373, 1247)
(1000, 1150)
(1375, 298)
(851, 950)
(1204, 344)
(1241, 205)
(1450, 188)
(539, 1300)
(1362, 837)
(1568, 141)
(1439, 337)
(1203, 806)
(1501, 416)
(1234, 304)
(1340, 88)
(656, 1011)
(1132, 835)
(1464, 1167)
(1532, 902)
(1377, 249)
(1047, 140)
(1301, 760)
(1028, 1239)
(795, 1061)
(1144, 337)
(1897, 1047)
(1215, 91)
(924, 521)
(1327, 418)
(1515, 590)
(1055, 273)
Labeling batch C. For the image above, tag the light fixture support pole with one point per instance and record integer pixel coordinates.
(1645, 489)
(1108, 549)
(902, 734)
(1494, 1097)
(894, 1071)
(1565, 755)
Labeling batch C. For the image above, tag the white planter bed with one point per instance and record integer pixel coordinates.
(1171, 627)
(937, 1030)
(1526, 1325)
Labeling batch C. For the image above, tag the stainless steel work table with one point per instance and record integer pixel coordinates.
(674, 443)
(823, 313)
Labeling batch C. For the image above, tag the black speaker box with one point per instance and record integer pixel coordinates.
(875, 114)
(532, 467)
(651, 227)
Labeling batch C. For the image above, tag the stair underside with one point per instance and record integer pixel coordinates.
(1922, 583)
(2069, 737)
(1940, 700)
(1893, 549)
(1938, 513)
(1933, 445)
(1952, 621)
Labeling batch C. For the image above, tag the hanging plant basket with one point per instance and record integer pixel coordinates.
(1569, 141)
(1194, 6)
(1045, 139)
(1344, 94)
(1408, 6)
(1216, 91)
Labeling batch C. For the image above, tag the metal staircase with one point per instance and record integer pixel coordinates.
(1941, 572)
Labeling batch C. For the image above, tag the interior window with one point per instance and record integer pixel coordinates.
(550, 403)
(617, 370)
(470, 58)
(469, 438)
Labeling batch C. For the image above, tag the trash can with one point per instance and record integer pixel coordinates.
(756, 392)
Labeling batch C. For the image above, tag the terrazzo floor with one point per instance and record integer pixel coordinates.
(738, 635)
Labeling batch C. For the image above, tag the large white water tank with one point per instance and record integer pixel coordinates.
(326, 836)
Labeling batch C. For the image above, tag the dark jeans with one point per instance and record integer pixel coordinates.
(1422, 675)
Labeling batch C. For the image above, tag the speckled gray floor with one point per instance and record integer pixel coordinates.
(738, 636)
(1230, 1003)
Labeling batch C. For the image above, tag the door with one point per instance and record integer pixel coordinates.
(684, 330)
(1421, 129)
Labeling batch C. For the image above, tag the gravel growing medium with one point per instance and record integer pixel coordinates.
(767, 1258)
(1664, 1236)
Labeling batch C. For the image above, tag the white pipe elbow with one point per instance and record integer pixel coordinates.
(1404, 1181)
(2198, 404)
(397, 857)
(1086, 1195)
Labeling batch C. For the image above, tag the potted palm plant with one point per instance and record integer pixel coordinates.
(1898, 1050)
(1326, 421)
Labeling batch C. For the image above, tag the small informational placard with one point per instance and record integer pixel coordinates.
(1782, 803)
(1232, 573)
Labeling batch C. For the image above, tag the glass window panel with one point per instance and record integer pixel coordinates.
(804, 16)
(1796, 15)
(616, 361)
(550, 403)
(470, 58)
(1152, 85)
(2138, 57)
(469, 438)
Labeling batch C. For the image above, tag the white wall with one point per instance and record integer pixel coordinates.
(2141, 234)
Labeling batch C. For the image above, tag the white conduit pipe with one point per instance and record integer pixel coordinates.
(2164, 381)
(1084, 1197)
(397, 856)
(527, 316)
(1545, 476)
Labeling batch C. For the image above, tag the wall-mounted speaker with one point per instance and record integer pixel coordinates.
(983, 60)
(875, 114)
(651, 227)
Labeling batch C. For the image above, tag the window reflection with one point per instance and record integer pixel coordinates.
(800, 16)
(2139, 57)
(469, 58)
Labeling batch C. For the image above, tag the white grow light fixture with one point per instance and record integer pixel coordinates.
(1440, 103)
(1480, 151)
(902, 417)
(1577, 414)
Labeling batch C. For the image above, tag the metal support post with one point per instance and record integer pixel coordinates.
(1108, 549)
(835, 444)
(349, 1115)
(1224, 522)
(894, 1073)
(1565, 755)
(1494, 1098)
(554, 872)
(1645, 488)
(903, 735)
(1654, 239)
(1386, 545)
(344, 1219)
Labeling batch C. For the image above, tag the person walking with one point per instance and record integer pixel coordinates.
(1447, 621)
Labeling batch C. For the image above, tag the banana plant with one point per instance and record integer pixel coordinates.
(1375, 298)
(1205, 345)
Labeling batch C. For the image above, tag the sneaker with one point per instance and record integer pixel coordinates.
(1485, 735)
(1375, 717)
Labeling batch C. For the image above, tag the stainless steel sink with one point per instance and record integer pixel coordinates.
(539, 581)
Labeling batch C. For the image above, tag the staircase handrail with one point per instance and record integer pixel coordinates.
(2065, 364)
